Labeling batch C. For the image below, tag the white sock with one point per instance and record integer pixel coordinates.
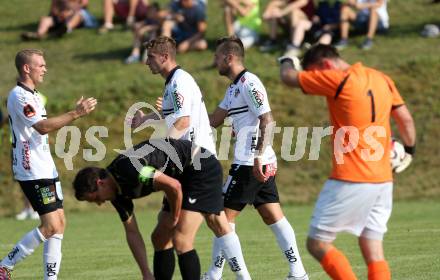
(52, 257)
(217, 260)
(287, 243)
(231, 247)
(23, 248)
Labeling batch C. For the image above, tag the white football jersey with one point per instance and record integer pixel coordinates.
(182, 97)
(31, 158)
(246, 100)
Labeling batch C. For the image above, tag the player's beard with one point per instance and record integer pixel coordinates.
(224, 71)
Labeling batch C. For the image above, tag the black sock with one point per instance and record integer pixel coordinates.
(164, 264)
(189, 265)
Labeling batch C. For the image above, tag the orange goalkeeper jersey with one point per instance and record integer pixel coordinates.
(360, 101)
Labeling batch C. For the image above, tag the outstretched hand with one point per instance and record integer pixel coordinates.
(85, 106)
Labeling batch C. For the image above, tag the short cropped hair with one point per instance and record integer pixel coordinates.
(85, 181)
(231, 45)
(24, 57)
(317, 53)
(162, 45)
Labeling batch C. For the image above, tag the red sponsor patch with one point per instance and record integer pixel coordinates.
(28, 111)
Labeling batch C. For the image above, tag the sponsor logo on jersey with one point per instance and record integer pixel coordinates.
(290, 255)
(192, 200)
(257, 97)
(237, 92)
(51, 269)
(233, 263)
(28, 111)
(177, 100)
(26, 155)
(242, 79)
(14, 252)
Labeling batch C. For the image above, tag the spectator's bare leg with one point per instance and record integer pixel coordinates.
(273, 26)
(167, 28)
(191, 45)
(74, 22)
(131, 12)
(299, 31)
(325, 39)
(228, 20)
(108, 13)
(45, 24)
(347, 14)
(372, 23)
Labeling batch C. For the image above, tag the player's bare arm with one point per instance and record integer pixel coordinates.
(217, 118)
(83, 107)
(137, 246)
(288, 73)
(264, 139)
(173, 191)
(140, 118)
(405, 125)
(179, 128)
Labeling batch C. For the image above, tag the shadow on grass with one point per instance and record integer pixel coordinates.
(118, 54)
(24, 27)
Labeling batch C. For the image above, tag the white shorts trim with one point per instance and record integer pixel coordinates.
(362, 209)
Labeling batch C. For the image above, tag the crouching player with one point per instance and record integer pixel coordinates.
(193, 189)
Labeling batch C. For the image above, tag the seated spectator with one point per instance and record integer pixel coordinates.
(186, 24)
(326, 21)
(64, 16)
(297, 14)
(242, 19)
(145, 31)
(369, 15)
(128, 10)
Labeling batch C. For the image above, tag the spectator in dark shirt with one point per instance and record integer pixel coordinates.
(186, 24)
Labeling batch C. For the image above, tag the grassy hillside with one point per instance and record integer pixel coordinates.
(84, 63)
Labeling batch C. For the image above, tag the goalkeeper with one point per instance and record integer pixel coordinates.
(357, 198)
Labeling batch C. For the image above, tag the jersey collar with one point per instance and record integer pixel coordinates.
(171, 74)
(239, 76)
(23, 86)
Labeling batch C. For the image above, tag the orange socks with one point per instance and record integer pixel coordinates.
(379, 271)
(337, 266)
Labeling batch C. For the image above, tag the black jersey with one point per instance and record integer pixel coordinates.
(134, 170)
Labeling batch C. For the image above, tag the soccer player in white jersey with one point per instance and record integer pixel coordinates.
(33, 165)
(185, 113)
(252, 175)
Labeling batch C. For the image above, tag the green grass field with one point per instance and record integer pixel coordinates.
(84, 63)
(94, 245)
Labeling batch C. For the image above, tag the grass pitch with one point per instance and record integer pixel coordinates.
(94, 245)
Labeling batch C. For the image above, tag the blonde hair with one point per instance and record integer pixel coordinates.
(162, 45)
(24, 57)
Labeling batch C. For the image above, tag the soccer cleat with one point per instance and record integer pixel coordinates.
(291, 277)
(5, 274)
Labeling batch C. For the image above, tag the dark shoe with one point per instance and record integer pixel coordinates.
(31, 36)
(341, 44)
(268, 46)
(367, 44)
